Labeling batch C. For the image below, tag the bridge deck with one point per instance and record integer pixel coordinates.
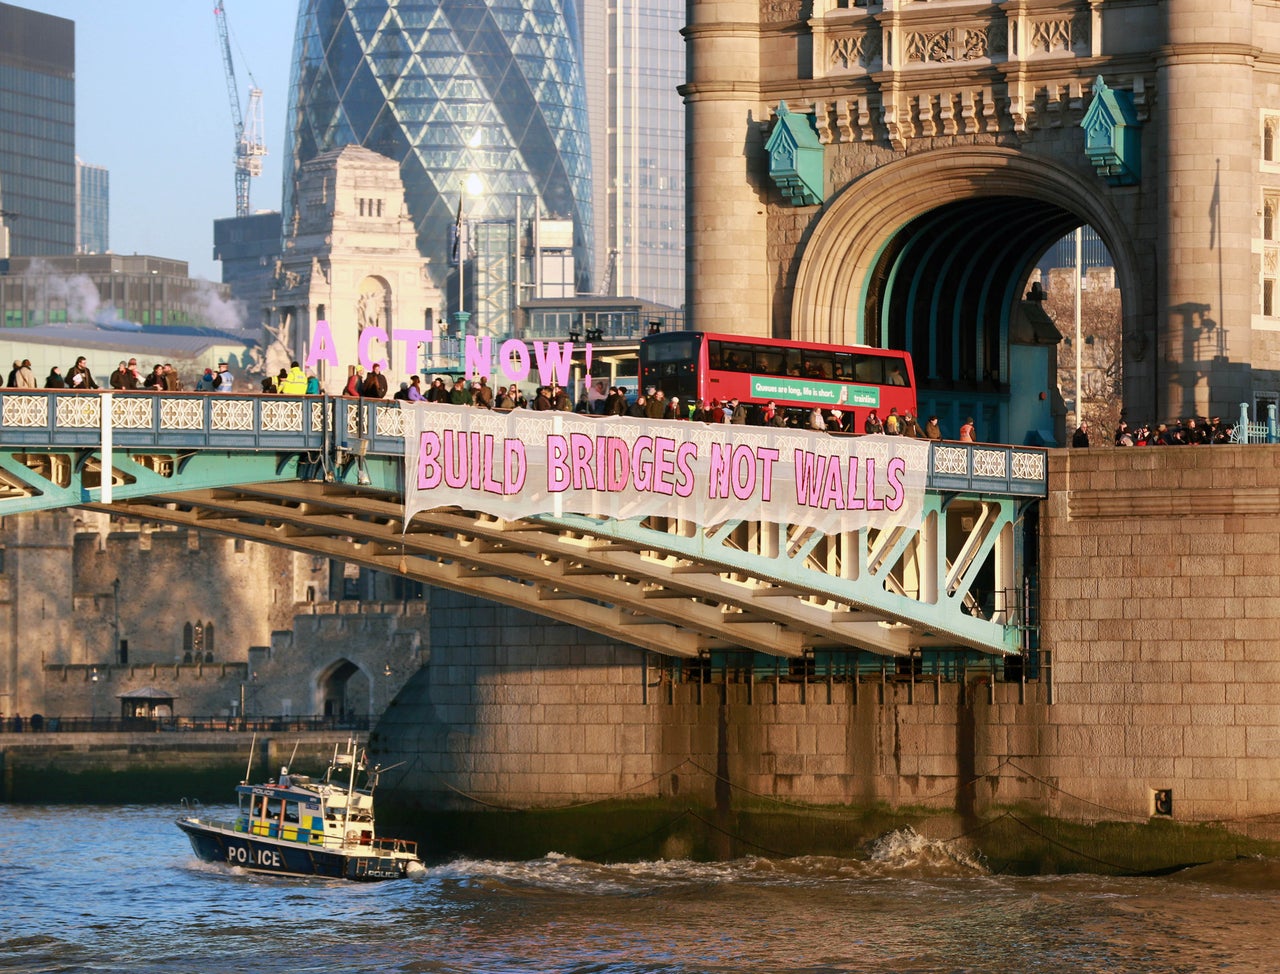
(326, 476)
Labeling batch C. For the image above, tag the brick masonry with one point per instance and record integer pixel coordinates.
(514, 711)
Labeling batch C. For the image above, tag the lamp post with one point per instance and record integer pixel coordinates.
(115, 586)
(1079, 292)
(474, 186)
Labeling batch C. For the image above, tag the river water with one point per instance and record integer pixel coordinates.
(107, 889)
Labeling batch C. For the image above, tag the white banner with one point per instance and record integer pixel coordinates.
(515, 464)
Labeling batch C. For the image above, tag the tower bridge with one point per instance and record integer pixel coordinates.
(891, 172)
(326, 476)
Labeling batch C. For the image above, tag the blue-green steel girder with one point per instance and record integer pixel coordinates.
(25, 489)
(863, 585)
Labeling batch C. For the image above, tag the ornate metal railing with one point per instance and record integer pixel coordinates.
(54, 419)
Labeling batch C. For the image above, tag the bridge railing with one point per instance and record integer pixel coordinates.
(46, 418)
(57, 418)
(989, 468)
(38, 723)
(1263, 431)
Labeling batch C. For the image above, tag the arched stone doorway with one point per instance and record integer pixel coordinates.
(343, 689)
(933, 253)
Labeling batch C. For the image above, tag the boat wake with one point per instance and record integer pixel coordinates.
(903, 853)
(905, 850)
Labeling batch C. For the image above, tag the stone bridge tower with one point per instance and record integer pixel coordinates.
(889, 173)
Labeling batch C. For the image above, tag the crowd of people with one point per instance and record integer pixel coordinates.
(1183, 432)
(1191, 431)
(126, 377)
(651, 403)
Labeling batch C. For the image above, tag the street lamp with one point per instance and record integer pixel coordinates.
(115, 586)
(1079, 290)
(472, 185)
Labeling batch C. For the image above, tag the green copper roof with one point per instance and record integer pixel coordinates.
(1112, 135)
(795, 158)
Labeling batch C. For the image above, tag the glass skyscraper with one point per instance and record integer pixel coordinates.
(93, 208)
(37, 131)
(644, 155)
(452, 89)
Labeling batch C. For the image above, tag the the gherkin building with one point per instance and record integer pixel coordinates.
(452, 90)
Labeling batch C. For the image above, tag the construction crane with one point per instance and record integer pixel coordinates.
(249, 127)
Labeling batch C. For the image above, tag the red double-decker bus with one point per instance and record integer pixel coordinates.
(700, 366)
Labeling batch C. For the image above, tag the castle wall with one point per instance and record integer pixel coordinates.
(273, 641)
(358, 654)
(169, 579)
(36, 622)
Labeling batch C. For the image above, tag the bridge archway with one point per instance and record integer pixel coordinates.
(932, 253)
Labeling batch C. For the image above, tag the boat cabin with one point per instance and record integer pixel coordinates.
(298, 811)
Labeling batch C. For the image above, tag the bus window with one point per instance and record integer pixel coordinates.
(769, 362)
(897, 375)
(680, 350)
(714, 355)
(844, 366)
(868, 368)
(793, 361)
(737, 358)
(818, 365)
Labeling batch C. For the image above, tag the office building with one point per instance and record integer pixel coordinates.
(635, 61)
(249, 247)
(37, 131)
(486, 96)
(112, 290)
(93, 208)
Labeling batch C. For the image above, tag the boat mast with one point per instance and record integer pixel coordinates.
(248, 770)
(351, 788)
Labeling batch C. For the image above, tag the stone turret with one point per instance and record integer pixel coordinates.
(351, 259)
(1208, 125)
(725, 267)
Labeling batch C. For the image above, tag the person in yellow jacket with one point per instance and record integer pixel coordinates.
(295, 383)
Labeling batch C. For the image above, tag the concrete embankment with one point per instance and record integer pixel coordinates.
(150, 767)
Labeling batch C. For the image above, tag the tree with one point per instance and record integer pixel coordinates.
(1101, 391)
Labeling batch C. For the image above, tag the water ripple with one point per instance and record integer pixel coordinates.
(107, 890)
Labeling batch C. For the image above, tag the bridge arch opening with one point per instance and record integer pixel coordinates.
(936, 255)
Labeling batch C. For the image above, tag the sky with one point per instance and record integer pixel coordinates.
(152, 107)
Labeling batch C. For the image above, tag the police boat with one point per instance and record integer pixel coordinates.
(295, 826)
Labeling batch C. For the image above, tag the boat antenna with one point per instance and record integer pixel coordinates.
(351, 788)
(294, 753)
(248, 770)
